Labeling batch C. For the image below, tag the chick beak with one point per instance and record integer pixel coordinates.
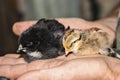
(67, 53)
(20, 48)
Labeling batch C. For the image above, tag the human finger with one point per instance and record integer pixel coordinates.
(12, 55)
(77, 23)
(19, 27)
(75, 69)
(15, 70)
(11, 60)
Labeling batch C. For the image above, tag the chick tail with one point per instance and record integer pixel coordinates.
(115, 53)
(110, 52)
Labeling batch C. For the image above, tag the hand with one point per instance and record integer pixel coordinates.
(62, 68)
(70, 68)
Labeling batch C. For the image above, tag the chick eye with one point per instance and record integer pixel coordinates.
(76, 40)
(29, 44)
(58, 37)
(36, 42)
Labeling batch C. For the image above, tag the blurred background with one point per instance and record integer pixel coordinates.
(12, 11)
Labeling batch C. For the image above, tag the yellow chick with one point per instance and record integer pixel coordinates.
(85, 42)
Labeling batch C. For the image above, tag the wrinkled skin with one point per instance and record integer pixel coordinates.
(94, 67)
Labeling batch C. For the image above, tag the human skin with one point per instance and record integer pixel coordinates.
(63, 68)
(92, 67)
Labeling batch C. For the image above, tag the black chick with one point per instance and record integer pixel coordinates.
(42, 40)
